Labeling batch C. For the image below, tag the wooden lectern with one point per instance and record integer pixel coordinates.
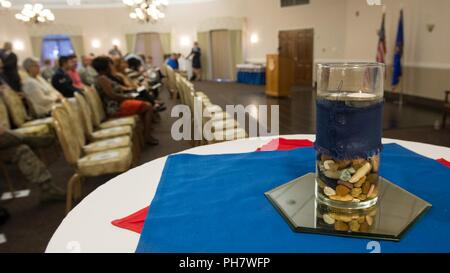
(279, 75)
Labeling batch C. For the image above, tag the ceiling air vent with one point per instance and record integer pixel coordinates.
(289, 3)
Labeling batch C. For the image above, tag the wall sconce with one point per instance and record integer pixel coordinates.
(96, 43)
(18, 45)
(116, 42)
(185, 41)
(430, 27)
(254, 38)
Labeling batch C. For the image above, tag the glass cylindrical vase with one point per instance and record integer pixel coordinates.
(349, 106)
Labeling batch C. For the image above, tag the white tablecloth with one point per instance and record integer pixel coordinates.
(88, 228)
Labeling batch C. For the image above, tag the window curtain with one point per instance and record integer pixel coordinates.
(204, 41)
(36, 46)
(78, 44)
(131, 42)
(236, 51)
(166, 42)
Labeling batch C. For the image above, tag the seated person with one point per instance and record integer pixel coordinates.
(118, 104)
(135, 71)
(87, 72)
(173, 62)
(73, 73)
(61, 81)
(120, 72)
(119, 76)
(48, 70)
(39, 92)
(16, 150)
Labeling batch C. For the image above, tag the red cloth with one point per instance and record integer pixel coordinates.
(444, 162)
(281, 144)
(135, 222)
(130, 108)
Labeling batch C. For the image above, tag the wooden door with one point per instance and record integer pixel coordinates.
(298, 45)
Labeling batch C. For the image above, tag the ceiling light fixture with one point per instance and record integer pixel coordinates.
(146, 11)
(35, 14)
(5, 4)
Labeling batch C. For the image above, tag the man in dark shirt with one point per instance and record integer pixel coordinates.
(10, 71)
(62, 81)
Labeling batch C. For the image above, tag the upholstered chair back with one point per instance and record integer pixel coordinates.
(64, 130)
(96, 119)
(99, 104)
(31, 108)
(4, 116)
(85, 114)
(171, 77)
(15, 107)
(72, 109)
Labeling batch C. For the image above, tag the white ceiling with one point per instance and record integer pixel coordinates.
(86, 3)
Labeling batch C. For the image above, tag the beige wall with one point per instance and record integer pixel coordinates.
(327, 17)
(340, 35)
(427, 54)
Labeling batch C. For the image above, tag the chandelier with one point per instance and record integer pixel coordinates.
(35, 14)
(5, 4)
(146, 10)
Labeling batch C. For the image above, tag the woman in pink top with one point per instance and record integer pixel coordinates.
(73, 73)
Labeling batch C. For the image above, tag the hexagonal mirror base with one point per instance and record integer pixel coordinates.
(396, 211)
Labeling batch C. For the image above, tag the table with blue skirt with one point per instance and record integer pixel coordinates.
(251, 74)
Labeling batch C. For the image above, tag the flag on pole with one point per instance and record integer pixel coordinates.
(397, 65)
(381, 51)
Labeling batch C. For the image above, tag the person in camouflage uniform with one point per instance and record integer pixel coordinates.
(16, 150)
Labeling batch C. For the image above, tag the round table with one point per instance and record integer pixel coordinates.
(88, 228)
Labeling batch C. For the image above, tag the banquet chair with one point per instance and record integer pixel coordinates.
(91, 165)
(180, 86)
(214, 110)
(446, 109)
(30, 131)
(171, 82)
(102, 134)
(8, 180)
(218, 127)
(18, 112)
(215, 114)
(72, 109)
(100, 120)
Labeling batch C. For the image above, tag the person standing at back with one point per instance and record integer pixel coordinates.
(10, 70)
(196, 62)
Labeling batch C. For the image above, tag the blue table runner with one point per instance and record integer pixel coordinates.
(216, 204)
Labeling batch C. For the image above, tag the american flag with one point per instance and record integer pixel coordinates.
(381, 51)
